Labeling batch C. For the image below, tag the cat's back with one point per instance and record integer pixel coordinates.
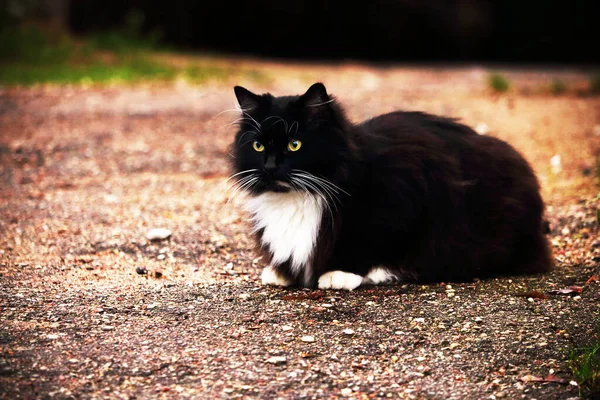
(435, 154)
(424, 136)
(398, 125)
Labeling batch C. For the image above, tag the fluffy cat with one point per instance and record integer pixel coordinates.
(403, 196)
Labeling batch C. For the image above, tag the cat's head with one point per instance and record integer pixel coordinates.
(288, 143)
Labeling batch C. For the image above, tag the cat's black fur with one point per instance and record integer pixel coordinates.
(427, 196)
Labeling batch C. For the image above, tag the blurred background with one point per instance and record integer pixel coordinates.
(398, 30)
(94, 40)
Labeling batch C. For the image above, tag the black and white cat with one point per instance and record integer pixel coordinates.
(404, 196)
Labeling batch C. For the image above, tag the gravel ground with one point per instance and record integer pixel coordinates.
(91, 308)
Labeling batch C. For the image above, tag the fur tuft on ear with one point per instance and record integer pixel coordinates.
(248, 100)
(316, 95)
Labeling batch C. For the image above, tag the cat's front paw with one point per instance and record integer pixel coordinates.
(270, 276)
(339, 280)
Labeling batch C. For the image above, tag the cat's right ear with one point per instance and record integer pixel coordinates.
(316, 96)
(248, 101)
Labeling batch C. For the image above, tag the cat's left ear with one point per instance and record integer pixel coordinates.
(248, 100)
(316, 96)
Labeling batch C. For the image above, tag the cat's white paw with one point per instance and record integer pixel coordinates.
(270, 276)
(339, 280)
(379, 276)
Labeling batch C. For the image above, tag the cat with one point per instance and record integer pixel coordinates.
(405, 196)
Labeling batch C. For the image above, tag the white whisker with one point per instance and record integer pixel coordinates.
(241, 110)
(320, 104)
(318, 193)
(325, 181)
(242, 185)
(244, 134)
(224, 111)
(241, 172)
(279, 119)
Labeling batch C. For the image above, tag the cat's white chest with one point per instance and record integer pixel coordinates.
(290, 223)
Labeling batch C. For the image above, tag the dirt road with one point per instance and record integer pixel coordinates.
(90, 308)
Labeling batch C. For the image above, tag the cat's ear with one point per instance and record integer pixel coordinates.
(316, 96)
(248, 100)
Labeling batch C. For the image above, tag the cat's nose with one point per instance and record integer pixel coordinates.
(270, 165)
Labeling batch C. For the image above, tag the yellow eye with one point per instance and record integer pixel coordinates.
(258, 146)
(294, 145)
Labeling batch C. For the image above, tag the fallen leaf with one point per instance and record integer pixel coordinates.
(569, 290)
(593, 279)
(64, 185)
(531, 378)
(555, 379)
(533, 294)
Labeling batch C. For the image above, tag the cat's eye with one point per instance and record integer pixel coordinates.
(294, 145)
(258, 146)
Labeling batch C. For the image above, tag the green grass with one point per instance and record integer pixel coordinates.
(585, 366)
(29, 56)
(498, 83)
(558, 87)
(134, 69)
(595, 83)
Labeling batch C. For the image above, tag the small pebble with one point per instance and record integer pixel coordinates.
(52, 336)
(556, 164)
(141, 270)
(482, 128)
(308, 339)
(161, 257)
(420, 320)
(478, 319)
(346, 392)
(348, 331)
(107, 328)
(276, 360)
(286, 328)
(158, 234)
